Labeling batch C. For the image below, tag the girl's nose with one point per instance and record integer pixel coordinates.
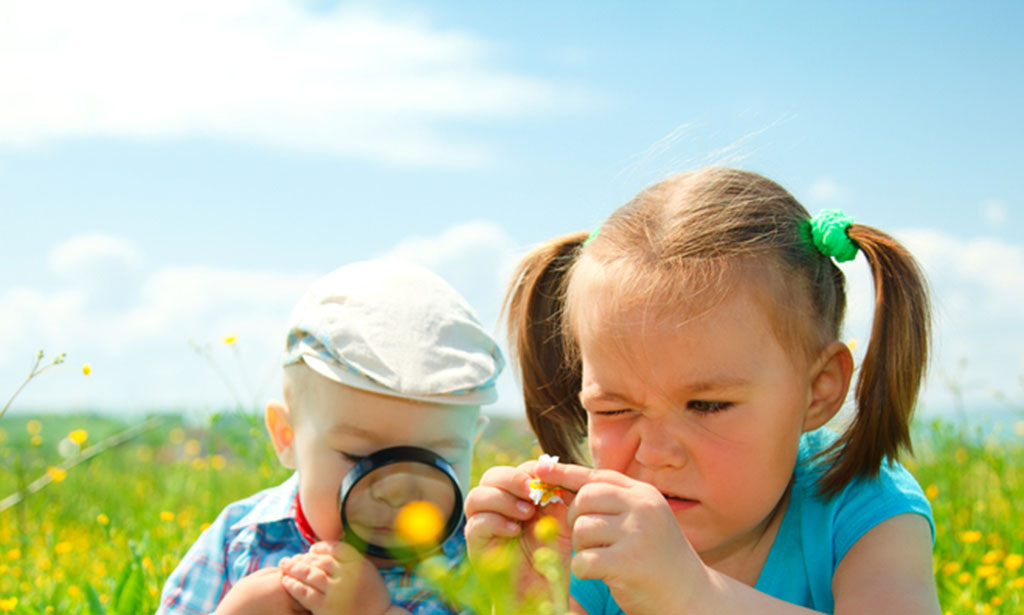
(660, 446)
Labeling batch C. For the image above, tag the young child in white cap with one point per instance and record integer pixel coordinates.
(379, 354)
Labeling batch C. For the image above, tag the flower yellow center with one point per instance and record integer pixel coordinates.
(419, 523)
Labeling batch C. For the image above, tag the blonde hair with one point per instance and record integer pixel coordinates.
(685, 241)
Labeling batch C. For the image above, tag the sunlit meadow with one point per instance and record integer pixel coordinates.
(95, 511)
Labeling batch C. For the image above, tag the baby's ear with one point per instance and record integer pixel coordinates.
(279, 425)
(830, 381)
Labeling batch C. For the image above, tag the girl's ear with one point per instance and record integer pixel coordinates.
(830, 381)
(278, 418)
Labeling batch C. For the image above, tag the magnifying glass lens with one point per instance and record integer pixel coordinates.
(400, 503)
(404, 504)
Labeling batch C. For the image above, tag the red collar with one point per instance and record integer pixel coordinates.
(303, 524)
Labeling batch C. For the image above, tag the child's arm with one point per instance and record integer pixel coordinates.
(500, 514)
(333, 578)
(259, 593)
(888, 570)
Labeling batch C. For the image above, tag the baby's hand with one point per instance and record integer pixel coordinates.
(333, 578)
(257, 594)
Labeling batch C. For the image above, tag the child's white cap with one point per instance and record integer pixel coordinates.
(393, 327)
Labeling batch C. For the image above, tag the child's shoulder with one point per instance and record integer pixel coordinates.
(269, 505)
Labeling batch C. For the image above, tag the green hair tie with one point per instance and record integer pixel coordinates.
(828, 231)
(591, 236)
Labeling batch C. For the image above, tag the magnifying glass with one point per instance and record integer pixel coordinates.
(400, 503)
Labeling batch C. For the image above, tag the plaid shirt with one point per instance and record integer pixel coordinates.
(258, 532)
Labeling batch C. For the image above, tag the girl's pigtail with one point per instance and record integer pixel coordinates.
(893, 367)
(550, 371)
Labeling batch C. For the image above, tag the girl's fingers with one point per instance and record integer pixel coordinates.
(506, 478)
(484, 526)
(591, 563)
(574, 477)
(487, 499)
(594, 531)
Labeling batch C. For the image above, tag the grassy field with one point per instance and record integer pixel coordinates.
(101, 536)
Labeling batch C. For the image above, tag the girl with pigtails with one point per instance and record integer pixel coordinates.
(682, 361)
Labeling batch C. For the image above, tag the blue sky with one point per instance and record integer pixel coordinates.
(179, 172)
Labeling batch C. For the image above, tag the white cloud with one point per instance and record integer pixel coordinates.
(977, 287)
(79, 255)
(350, 81)
(476, 258)
(995, 212)
(826, 190)
(139, 347)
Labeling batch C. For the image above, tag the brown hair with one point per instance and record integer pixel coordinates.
(688, 239)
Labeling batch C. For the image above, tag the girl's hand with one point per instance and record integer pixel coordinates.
(332, 577)
(501, 520)
(625, 534)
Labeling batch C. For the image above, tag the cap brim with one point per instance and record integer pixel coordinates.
(332, 371)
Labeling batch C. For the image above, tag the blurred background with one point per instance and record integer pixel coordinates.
(173, 174)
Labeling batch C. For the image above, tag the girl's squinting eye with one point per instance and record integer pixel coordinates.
(701, 406)
(352, 458)
(612, 412)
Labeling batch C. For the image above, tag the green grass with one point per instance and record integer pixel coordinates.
(104, 538)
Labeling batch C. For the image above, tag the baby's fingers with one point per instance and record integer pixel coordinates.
(309, 597)
(313, 570)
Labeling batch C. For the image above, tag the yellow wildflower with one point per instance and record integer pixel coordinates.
(8, 604)
(963, 578)
(74, 591)
(229, 339)
(546, 528)
(78, 436)
(166, 516)
(1013, 561)
(14, 554)
(986, 571)
(931, 492)
(852, 344)
(36, 440)
(992, 557)
(57, 474)
(218, 462)
(62, 547)
(419, 522)
(1018, 583)
(177, 435)
(950, 568)
(193, 447)
(970, 536)
(87, 369)
(102, 519)
(33, 427)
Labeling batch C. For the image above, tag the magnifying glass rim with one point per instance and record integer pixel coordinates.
(383, 458)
